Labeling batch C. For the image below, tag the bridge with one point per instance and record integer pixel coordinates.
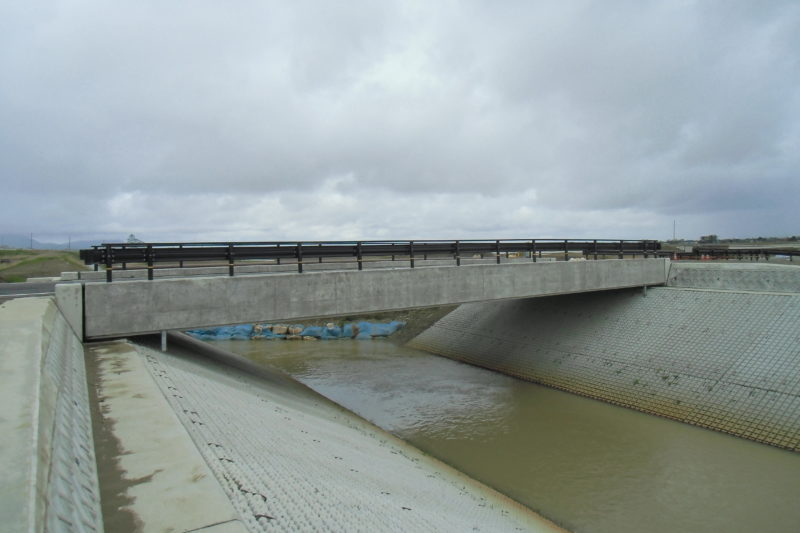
(347, 278)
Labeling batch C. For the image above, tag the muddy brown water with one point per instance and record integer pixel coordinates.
(587, 465)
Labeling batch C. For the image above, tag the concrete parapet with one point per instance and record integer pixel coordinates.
(136, 307)
(735, 276)
(724, 360)
(50, 480)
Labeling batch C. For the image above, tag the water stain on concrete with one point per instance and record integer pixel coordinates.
(114, 486)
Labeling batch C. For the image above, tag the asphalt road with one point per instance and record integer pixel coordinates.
(21, 290)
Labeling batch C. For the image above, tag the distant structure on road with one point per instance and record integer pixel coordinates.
(133, 240)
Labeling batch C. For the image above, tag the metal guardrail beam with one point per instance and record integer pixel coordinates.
(110, 255)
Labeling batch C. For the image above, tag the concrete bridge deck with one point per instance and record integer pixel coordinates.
(104, 310)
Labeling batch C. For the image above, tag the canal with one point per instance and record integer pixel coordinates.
(587, 465)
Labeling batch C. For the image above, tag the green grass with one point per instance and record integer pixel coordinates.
(33, 260)
(19, 265)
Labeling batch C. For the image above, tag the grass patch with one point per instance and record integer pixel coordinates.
(12, 251)
(19, 265)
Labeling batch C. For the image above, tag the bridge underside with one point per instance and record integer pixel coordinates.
(103, 310)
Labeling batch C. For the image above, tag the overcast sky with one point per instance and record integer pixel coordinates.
(260, 120)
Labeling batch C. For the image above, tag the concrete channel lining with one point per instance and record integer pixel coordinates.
(178, 430)
(724, 360)
(49, 480)
(291, 460)
(137, 307)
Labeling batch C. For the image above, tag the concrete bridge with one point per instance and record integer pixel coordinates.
(97, 310)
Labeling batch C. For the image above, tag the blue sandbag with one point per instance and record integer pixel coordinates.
(265, 332)
(241, 332)
(347, 331)
(203, 334)
(384, 330)
(313, 331)
(333, 332)
(364, 331)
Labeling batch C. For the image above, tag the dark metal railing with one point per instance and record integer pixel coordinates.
(114, 256)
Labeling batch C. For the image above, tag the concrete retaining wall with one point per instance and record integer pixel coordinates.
(50, 480)
(728, 361)
(735, 276)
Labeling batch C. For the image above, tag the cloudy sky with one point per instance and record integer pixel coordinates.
(261, 120)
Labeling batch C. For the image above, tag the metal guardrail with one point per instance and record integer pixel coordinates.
(119, 255)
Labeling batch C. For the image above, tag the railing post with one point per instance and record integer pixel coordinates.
(595, 249)
(320, 255)
(497, 251)
(458, 255)
(277, 250)
(109, 264)
(533, 250)
(299, 255)
(358, 256)
(180, 263)
(411, 253)
(230, 260)
(392, 251)
(566, 250)
(620, 249)
(150, 262)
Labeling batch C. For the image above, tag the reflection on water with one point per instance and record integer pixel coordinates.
(585, 464)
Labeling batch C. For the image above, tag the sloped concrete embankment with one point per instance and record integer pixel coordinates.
(199, 439)
(49, 475)
(287, 458)
(727, 360)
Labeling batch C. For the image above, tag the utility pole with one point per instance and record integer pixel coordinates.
(674, 222)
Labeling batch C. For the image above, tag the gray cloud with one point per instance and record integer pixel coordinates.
(582, 118)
